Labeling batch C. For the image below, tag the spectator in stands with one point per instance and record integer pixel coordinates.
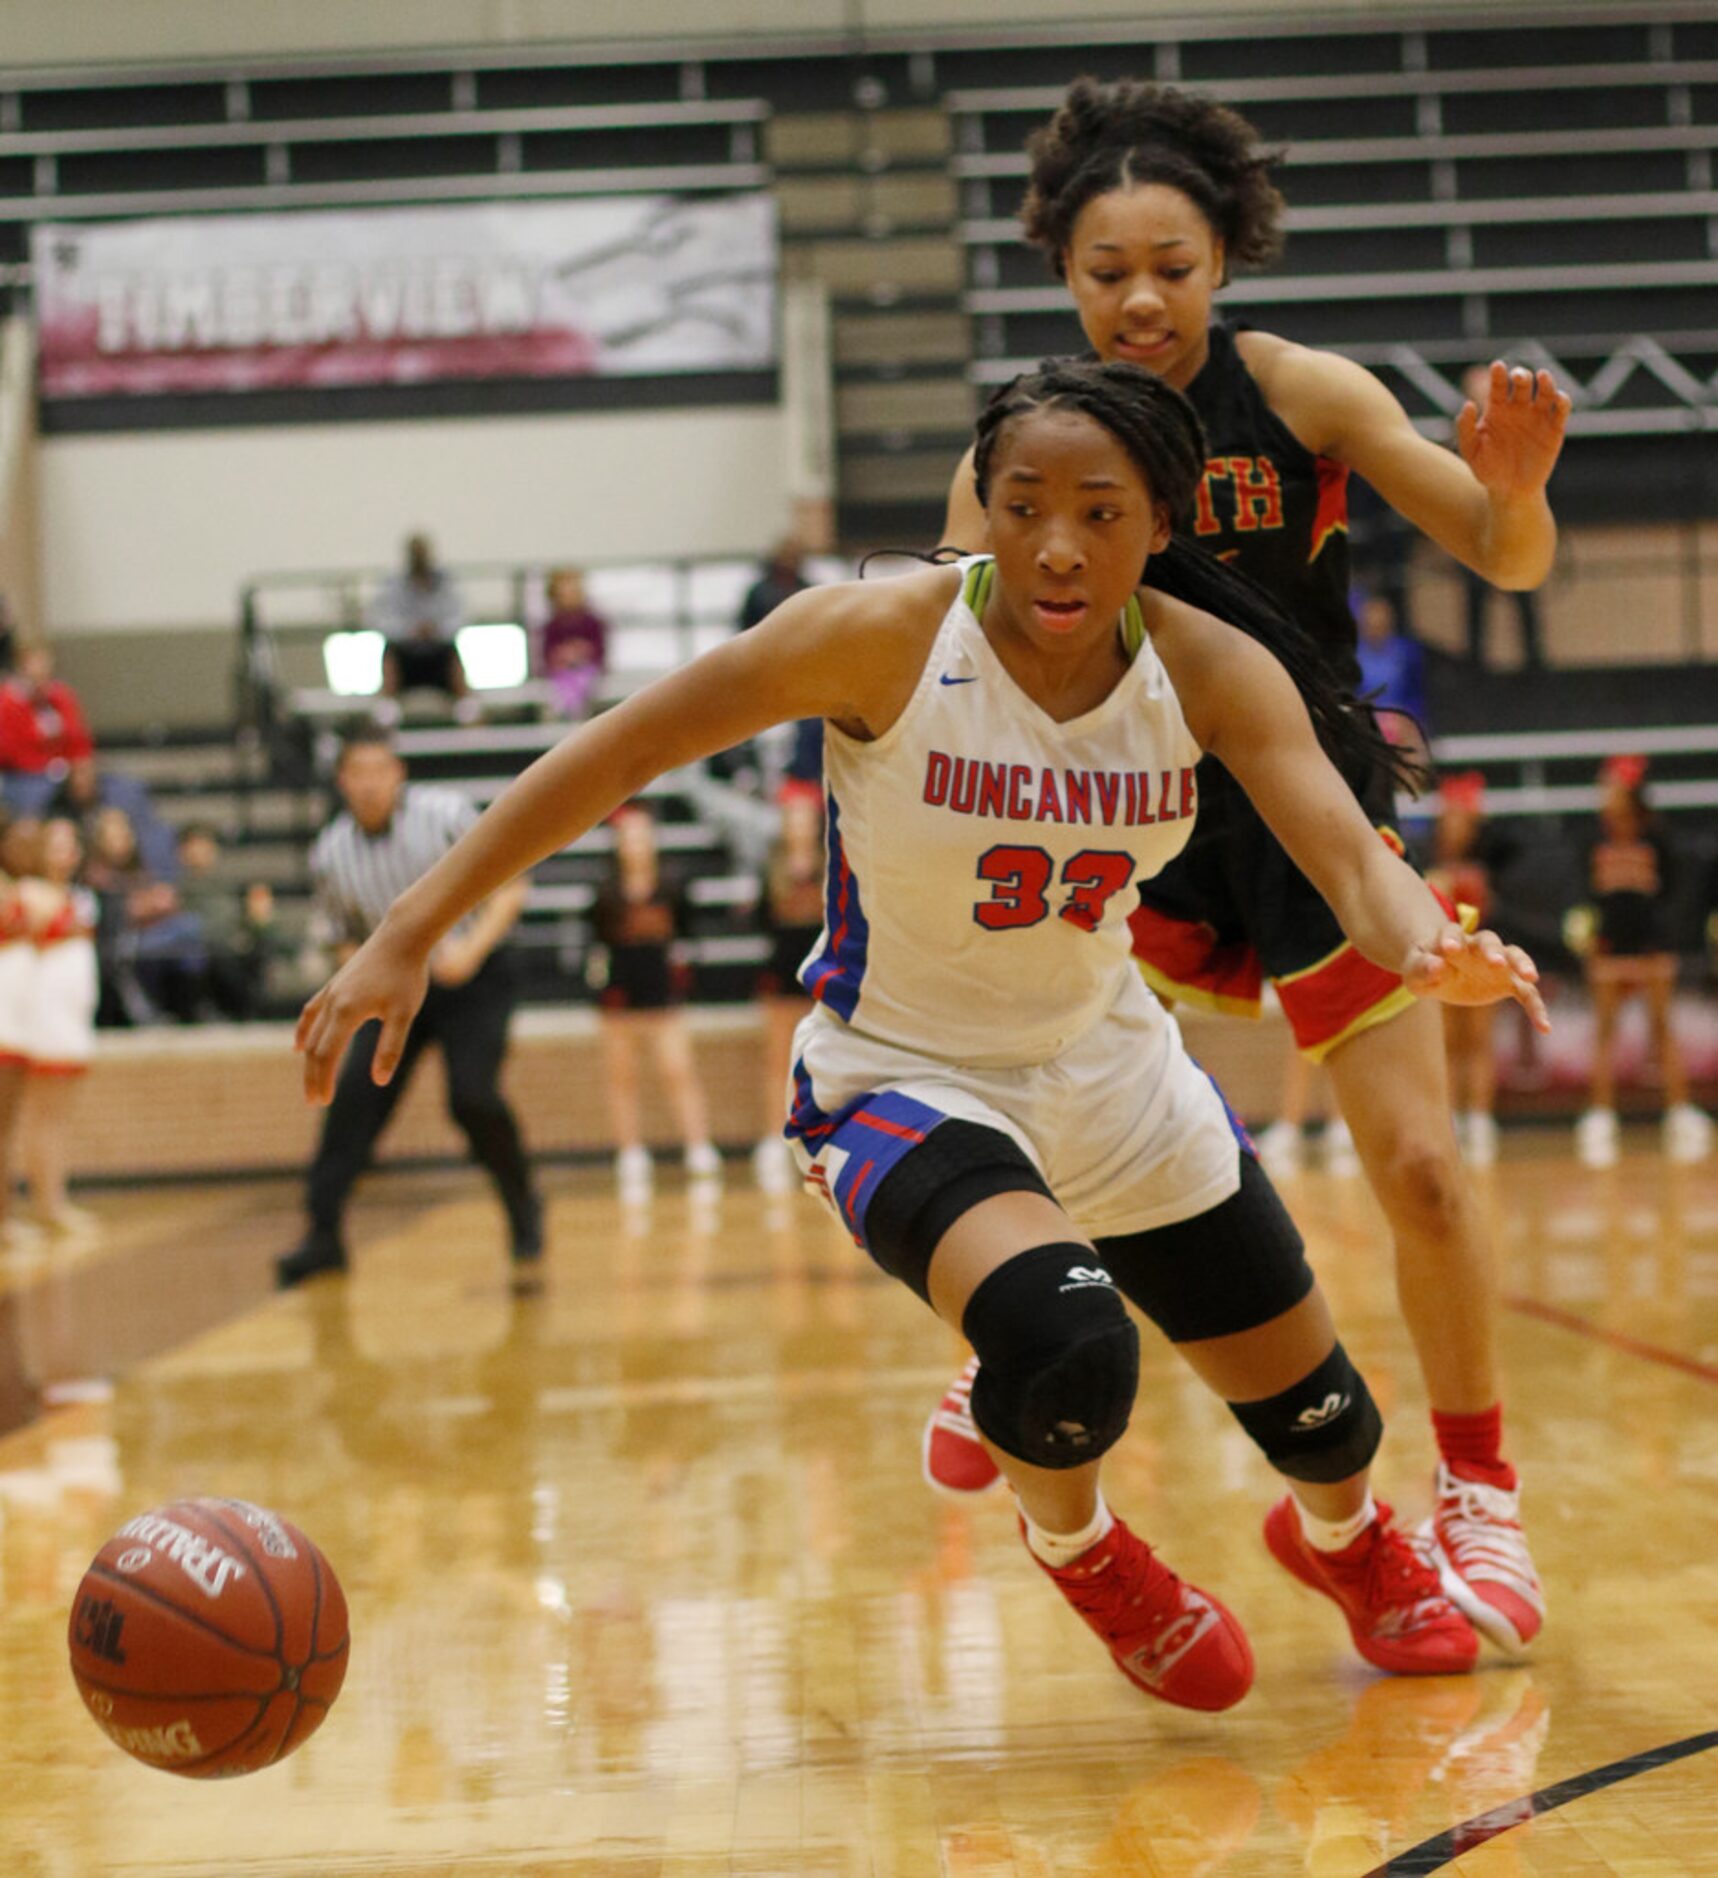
(793, 918)
(780, 578)
(62, 1037)
(638, 917)
(88, 787)
(1380, 543)
(236, 928)
(1630, 951)
(8, 635)
(42, 731)
(419, 612)
(1392, 663)
(1393, 675)
(149, 950)
(1467, 854)
(575, 643)
(1476, 383)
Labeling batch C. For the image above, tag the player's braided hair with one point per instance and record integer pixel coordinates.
(1161, 432)
(1112, 136)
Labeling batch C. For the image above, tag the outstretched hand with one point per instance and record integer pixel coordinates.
(384, 978)
(1475, 968)
(1512, 445)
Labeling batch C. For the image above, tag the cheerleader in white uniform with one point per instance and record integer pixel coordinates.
(62, 1032)
(19, 857)
(985, 1095)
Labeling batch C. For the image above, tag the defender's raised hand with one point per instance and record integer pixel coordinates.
(1512, 444)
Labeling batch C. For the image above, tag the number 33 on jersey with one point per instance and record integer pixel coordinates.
(1017, 841)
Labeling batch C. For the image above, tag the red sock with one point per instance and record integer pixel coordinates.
(1472, 1446)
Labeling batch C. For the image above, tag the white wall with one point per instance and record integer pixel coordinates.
(160, 529)
(110, 32)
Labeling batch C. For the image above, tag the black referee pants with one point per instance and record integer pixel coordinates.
(470, 1022)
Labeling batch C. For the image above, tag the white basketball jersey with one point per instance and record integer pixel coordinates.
(984, 859)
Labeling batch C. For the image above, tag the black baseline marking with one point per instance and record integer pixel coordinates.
(1432, 1855)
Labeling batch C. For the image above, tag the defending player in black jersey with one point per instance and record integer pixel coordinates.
(1143, 199)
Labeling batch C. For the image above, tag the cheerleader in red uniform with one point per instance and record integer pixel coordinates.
(637, 920)
(793, 911)
(1631, 953)
(19, 857)
(62, 1036)
(1466, 853)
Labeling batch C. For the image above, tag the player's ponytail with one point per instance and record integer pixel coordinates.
(1161, 431)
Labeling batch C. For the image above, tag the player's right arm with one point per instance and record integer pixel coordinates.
(851, 653)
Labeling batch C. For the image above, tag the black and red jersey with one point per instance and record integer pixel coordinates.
(1272, 507)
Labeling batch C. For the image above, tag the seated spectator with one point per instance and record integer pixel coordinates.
(42, 731)
(1392, 664)
(87, 787)
(780, 578)
(1467, 855)
(575, 642)
(236, 926)
(149, 950)
(419, 612)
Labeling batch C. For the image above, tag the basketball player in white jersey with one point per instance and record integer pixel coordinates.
(985, 1093)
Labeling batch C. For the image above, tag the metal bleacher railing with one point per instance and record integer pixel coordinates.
(1437, 208)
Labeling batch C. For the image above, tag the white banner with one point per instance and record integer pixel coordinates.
(612, 285)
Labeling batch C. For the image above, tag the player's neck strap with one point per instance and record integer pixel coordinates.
(981, 577)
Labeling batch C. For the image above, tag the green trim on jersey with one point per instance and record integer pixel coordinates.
(981, 577)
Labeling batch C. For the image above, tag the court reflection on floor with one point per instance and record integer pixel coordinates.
(643, 1578)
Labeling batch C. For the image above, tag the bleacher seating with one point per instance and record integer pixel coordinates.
(1531, 184)
(660, 613)
(1454, 191)
(1455, 188)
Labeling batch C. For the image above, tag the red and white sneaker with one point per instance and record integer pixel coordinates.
(1167, 1637)
(1397, 1614)
(954, 1459)
(1475, 1540)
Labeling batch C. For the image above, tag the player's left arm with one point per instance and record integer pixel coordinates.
(1485, 502)
(1245, 711)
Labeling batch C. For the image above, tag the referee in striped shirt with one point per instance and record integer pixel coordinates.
(388, 834)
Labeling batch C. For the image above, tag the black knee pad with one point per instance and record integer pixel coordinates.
(1058, 1357)
(1325, 1428)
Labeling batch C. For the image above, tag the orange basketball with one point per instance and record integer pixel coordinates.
(209, 1637)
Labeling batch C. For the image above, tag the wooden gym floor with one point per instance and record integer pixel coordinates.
(644, 1580)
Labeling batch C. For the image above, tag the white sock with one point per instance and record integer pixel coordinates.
(1057, 1549)
(1334, 1535)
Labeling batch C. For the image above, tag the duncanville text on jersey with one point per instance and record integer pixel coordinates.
(1025, 792)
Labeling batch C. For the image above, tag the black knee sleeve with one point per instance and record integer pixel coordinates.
(1325, 1428)
(1058, 1355)
(959, 1165)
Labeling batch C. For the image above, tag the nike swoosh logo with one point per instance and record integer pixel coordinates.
(946, 680)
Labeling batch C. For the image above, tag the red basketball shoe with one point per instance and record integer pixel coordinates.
(954, 1459)
(1483, 1562)
(1167, 1637)
(1397, 1614)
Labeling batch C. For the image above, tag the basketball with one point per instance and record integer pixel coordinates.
(208, 1637)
